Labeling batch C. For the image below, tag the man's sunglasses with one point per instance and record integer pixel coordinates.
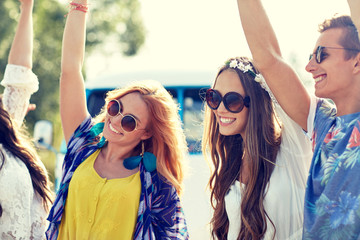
(128, 122)
(233, 101)
(320, 55)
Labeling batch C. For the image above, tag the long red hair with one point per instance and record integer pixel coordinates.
(168, 142)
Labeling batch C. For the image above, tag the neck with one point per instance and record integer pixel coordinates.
(113, 152)
(347, 106)
(348, 102)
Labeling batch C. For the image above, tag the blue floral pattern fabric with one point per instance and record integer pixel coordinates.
(332, 199)
(160, 215)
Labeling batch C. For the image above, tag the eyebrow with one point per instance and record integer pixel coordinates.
(137, 119)
(222, 95)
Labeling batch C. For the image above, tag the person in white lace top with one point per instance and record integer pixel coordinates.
(260, 158)
(24, 185)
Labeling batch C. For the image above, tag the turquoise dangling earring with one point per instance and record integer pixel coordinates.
(149, 160)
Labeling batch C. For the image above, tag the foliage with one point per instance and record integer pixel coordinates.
(108, 19)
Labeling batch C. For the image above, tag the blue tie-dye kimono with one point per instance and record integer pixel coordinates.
(160, 215)
(332, 199)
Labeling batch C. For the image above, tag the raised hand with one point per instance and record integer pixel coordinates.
(26, 3)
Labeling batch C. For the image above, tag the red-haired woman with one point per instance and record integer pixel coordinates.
(123, 171)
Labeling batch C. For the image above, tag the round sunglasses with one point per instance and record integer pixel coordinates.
(320, 55)
(233, 101)
(128, 122)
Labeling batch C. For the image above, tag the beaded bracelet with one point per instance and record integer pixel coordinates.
(77, 6)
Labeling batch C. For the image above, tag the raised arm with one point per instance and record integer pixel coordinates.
(354, 6)
(72, 91)
(19, 81)
(22, 45)
(281, 78)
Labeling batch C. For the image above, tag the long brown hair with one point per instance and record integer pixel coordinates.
(15, 140)
(227, 152)
(168, 142)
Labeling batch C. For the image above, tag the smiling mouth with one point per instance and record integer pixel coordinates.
(319, 78)
(113, 129)
(226, 120)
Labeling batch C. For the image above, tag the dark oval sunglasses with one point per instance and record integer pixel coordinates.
(128, 122)
(233, 101)
(320, 54)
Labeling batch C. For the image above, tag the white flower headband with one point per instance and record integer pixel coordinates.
(257, 76)
(247, 68)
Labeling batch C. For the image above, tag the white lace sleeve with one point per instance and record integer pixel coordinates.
(19, 82)
(23, 215)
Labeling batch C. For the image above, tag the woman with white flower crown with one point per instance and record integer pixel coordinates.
(260, 158)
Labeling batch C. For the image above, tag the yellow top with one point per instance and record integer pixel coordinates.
(98, 208)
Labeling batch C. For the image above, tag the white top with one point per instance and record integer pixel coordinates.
(284, 201)
(19, 82)
(23, 214)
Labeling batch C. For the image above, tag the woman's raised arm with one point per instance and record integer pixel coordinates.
(72, 91)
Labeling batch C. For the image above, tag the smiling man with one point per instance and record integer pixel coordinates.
(332, 201)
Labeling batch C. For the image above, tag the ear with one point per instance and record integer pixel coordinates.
(146, 135)
(356, 65)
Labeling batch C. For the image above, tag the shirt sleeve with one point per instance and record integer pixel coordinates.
(19, 82)
(311, 116)
(295, 151)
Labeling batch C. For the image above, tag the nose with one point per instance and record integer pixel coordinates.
(222, 107)
(311, 66)
(116, 119)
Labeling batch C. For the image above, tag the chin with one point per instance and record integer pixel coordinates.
(227, 132)
(320, 94)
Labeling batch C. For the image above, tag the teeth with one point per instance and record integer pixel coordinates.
(319, 78)
(113, 129)
(226, 120)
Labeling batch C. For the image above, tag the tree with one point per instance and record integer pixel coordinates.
(109, 19)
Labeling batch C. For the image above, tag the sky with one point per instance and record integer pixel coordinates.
(202, 34)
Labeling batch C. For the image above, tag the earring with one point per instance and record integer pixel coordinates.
(142, 149)
(148, 159)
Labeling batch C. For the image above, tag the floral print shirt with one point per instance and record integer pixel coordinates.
(332, 199)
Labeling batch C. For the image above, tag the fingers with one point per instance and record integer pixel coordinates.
(31, 107)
